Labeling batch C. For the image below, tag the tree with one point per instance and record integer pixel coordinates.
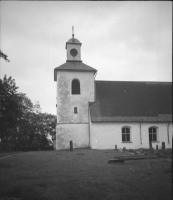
(22, 121)
(9, 107)
(43, 126)
(4, 56)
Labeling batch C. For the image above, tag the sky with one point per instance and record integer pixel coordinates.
(123, 40)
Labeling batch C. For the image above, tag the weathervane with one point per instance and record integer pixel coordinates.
(72, 31)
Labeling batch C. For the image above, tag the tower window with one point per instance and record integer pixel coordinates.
(75, 86)
(75, 110)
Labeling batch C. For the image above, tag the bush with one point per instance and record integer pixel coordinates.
(34, 147)
(7, 147)
(35, 144)
(47, 148)
(3, 146)
(165, 153)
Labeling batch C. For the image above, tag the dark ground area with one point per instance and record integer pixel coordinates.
(83, 174)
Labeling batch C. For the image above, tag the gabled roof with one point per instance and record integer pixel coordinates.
(132, 101)
(73, 66)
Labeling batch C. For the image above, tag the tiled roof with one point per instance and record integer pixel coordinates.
(73, 66)
(131, 119)
(132, 101)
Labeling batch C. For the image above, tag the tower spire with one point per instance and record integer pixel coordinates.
(72, 31)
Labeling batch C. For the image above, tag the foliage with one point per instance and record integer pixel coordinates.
(9, 107)
(165, 153)
(22, 122)
(4, 56)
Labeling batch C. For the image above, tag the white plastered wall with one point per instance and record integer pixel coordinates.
(66, 101)
(74, 46)
(105, 135)
(77, 133)
(71, 126)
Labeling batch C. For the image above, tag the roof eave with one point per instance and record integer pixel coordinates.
(133, 120)
(72, 70)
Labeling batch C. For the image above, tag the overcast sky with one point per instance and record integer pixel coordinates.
(124, 41)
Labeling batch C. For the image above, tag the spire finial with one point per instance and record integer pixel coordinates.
(72, 31)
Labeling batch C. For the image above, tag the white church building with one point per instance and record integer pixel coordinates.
(102, 114)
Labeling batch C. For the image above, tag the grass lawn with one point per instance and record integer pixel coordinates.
(83, 174)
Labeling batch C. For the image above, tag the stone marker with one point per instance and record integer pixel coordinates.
(115, 161)
(151, 148)
(71, 145)
(163, 145)
(137, 157)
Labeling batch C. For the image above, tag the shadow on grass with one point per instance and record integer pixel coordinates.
(22, 192)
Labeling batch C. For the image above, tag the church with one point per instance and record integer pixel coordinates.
(104, 114)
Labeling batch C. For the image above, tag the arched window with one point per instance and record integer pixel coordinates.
(75, 87)
(126, 134)
(153, 133)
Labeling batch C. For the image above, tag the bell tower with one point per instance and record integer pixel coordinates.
(73, 47)
(75, 91)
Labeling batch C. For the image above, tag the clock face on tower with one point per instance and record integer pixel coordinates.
(73, 52)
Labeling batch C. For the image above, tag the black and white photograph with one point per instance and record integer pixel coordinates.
(86, 100)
